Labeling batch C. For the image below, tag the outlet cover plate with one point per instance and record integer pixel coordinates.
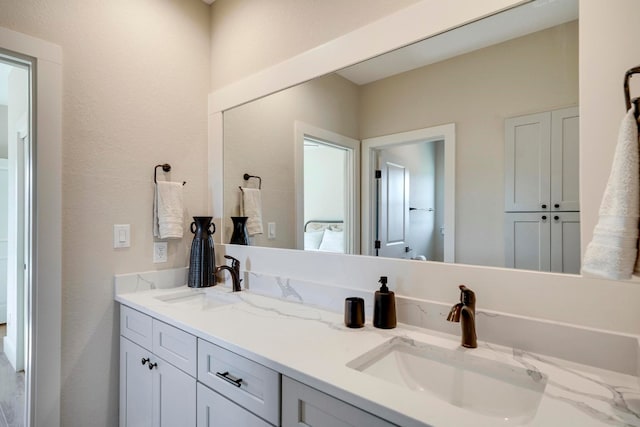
(160, 252)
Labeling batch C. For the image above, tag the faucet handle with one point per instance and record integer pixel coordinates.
(467, 296)
(235, 263)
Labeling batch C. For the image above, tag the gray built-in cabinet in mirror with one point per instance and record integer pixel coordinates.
(310, 144)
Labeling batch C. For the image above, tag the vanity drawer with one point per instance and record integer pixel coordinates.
(243, 381)
(216, 411)
(175, 346)
(306, 406)
(136, 326)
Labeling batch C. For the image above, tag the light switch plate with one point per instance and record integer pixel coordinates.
(121, 236)
(271, 230)
(160, 252)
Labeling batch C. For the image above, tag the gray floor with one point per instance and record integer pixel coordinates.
(11, 391)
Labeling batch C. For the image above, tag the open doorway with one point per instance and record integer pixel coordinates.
(327, 190)
(408, 194)
(15, 233)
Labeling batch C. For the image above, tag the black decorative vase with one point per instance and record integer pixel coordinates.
(239, 235)
(202, 262)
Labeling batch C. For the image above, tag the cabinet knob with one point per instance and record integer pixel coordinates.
(152, 365)
(544, 206)
(557, 205)
(544, 217)
(556, 217)
(145, 360)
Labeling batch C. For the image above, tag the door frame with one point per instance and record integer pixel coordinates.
(352, 205)
(43, 346)
(446, 133)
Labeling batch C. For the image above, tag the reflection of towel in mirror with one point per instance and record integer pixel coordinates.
(168, 210)
(252, 208)
(612, 252)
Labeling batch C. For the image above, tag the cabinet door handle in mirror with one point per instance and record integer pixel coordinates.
(544, 206)
(557, 205)
(229, 378)
(145, 360)
(152, 365)
(556, 217)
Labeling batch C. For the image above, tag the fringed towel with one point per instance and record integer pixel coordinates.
(252, 208)
(613, 250)
(168, 210)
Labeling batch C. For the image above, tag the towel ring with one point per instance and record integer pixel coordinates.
(627, 96)
(246, 177)
(165, 168)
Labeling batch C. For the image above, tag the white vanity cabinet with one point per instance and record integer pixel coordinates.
(170, 378)
(303, 406)
(157, 372)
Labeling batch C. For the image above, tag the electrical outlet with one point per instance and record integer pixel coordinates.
(160, 252)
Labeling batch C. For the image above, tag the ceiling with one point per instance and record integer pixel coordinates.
(531, 17)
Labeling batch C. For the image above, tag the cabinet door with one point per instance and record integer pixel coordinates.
(528, 163)
(528, 240)
(303, 406)
(216, 411)
(174, 396)
(565, 140)
(565, 242)
(136, 383)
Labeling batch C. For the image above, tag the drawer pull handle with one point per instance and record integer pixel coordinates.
(152, 365)
(145, 360)
(229, 378)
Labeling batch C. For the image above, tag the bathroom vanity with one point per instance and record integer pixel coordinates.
(210, 357)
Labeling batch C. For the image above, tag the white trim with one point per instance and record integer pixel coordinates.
(443, 132)
(44, 335)
(301, 130)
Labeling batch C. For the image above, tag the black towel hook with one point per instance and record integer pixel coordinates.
(165, 168)
(246, 177)
(627, 96)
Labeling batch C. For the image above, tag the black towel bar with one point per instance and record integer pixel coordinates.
(165, 168)
(246, 177)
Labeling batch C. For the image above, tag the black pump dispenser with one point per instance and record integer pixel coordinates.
(384, 308)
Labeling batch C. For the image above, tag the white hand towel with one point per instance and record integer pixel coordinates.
(252, 208)
(613, 250)
(168, 210)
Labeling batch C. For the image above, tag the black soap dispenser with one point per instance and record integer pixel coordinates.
(384, 307)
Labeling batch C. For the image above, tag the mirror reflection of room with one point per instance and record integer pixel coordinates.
(472, 77)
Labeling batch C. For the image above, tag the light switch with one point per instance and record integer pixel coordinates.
(271, 230)
(121, 235)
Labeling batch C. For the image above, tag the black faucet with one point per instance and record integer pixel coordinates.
(234, 271)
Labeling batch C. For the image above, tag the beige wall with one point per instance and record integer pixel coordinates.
(259, 140)
(477, 91)
(249, 35)
(135, 77)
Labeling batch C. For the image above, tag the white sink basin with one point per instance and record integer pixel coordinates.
(198, 298)
(511, 394)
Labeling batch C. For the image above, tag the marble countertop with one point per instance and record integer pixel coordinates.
(313, 346)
